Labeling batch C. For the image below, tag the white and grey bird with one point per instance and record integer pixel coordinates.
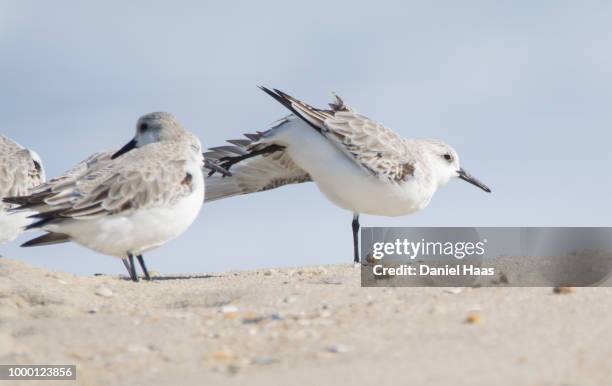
(142, 196)
(20, 170)
(357, 163)
(42, 196)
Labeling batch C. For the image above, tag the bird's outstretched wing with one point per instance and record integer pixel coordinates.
(374, 147)
(256, 174)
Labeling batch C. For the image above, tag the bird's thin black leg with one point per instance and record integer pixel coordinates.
(356, 236)
(132, 268)
(126, 263)
(143, 266)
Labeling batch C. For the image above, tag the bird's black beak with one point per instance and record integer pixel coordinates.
(128, 146)
(472, 180)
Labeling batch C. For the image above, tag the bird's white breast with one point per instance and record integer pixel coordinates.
(141, 230)
(344, 182)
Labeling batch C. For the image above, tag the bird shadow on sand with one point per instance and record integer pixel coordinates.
(164, 278)
(180, 277)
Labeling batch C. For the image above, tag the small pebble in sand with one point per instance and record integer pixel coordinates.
(252, 318)
(229, 309)
(104, 292)
(503, 278)
(370, 258)
(453, 291)
(563, 290)
(473, 318)
(336, 349)
(230, 312)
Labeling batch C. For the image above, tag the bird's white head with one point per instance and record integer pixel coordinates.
(151, 128)
(445, 165)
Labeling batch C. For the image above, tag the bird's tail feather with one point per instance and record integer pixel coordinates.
(47, 239)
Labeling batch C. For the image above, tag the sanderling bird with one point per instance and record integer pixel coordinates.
(357, 163)
(145, 194)
(20, 170)
(43, 196)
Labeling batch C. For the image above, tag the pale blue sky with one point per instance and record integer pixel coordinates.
(521, 89)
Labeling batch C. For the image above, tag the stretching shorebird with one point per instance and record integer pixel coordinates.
(357, 163)
(137, 199)
(20, 170)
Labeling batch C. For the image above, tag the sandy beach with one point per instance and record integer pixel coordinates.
(310, 325)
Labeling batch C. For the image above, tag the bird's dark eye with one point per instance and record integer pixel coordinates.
(143, 127)
(448, 157)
